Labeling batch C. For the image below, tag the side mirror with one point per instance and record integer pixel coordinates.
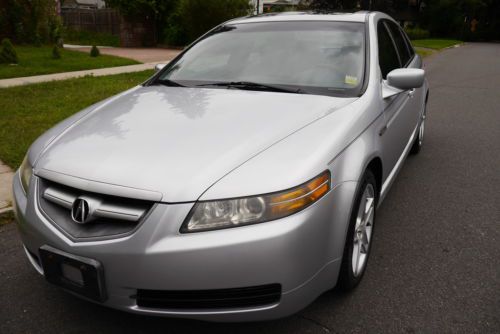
(406, 78)
(159, 67)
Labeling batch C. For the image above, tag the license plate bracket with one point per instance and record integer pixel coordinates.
(77, 274)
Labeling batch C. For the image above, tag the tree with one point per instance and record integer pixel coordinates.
(199, 16)
(348, 5)
(29, 21)
(133, 8)
(454, 18)
(192, 18)
(328, 5)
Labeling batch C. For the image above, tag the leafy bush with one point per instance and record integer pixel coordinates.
(56, 29)
(174, 33)
(56, 53)
(8, 55)
(417, 33)
(192, 18)
(94, 52)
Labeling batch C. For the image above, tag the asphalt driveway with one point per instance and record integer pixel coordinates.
(435, 266)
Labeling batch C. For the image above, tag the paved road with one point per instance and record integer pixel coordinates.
(435, 265)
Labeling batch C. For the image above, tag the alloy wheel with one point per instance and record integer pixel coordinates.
(363, 230)
(421, 131)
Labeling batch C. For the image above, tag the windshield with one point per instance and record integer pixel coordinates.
(325, 58)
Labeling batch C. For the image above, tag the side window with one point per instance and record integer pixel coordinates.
(408, 43)
(388, 57)
(404, 54)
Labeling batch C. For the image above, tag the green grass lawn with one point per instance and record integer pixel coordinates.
(436, 44)
(90, 38)
(424, 52)
(28, 111)
(6, 218)
(38, 60)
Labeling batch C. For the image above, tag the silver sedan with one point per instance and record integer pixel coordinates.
(240, 182)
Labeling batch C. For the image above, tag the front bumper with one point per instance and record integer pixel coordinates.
(301, 252)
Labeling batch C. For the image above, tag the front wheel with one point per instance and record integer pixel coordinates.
(359, 235)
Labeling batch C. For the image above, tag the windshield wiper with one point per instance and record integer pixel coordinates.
(253, 85)
(168, 82)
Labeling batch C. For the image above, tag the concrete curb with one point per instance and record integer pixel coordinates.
(6, 176)
(454, 46)
(5, 210)
(75, 46)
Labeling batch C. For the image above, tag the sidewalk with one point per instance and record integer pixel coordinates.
(6, 175)
(75, 74)
(149, 56)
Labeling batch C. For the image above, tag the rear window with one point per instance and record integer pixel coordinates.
(388, 57)
(403, 51)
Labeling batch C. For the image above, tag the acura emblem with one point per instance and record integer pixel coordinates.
(80, 211)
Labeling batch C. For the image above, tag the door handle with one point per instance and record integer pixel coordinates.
(411, 92)
(382, 131)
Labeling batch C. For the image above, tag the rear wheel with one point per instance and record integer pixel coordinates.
(359, 235)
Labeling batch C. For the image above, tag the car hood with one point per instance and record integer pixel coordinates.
(173, 141)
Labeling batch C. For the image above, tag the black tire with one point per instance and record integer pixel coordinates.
(417, 144)
(347, 279)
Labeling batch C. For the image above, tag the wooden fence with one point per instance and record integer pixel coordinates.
(98, 20)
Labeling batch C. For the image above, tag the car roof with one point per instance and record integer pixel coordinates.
(304, 16)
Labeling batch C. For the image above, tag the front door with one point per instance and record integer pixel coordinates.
(400, 114)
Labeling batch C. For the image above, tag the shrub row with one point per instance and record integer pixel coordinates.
(417, 33)
(8, 54)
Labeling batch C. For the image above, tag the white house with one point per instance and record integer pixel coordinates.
(83, 4)
(260, 4)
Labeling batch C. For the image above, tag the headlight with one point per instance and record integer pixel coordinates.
(25, 172)
(212, 215)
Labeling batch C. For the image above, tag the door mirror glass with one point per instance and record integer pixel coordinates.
(159, 67)
(406, 78)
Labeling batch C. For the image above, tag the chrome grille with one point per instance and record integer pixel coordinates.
(109, 216)
(110, 210)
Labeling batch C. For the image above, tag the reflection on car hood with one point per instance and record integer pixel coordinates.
(179, 141)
